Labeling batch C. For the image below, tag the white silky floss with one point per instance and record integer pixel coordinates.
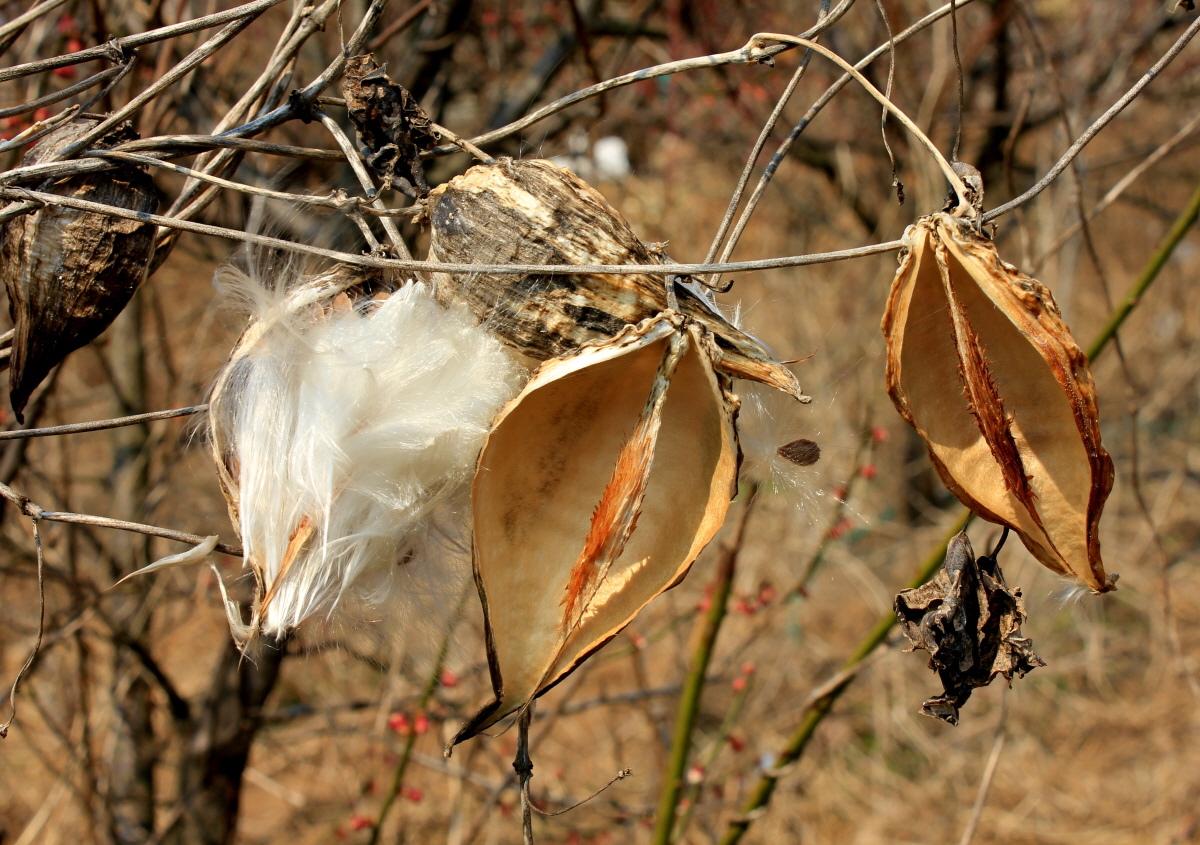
(357, 428)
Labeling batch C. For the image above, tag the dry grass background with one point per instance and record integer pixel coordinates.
(1100, 746)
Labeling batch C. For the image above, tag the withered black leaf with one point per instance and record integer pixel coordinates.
(392, 127)
(970, 623)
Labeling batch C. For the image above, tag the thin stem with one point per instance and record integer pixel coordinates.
(958, 70)
(1150, 271)
(406, 264)
(51, 99)
(755, 152)
(1103, 121)
(777, 159)
(956, 183)
(523, 766)
(342, 203)
(693, 685)
(431, 684)
(354, 158)
(749, 54)
(101, 425)
(12, 695)
(989, 772)
(119, 46)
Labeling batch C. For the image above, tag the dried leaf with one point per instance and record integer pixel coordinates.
(69, 273)
(392, 127)
(534, 212)
(970, 623)
(596, 489)
(982, 365)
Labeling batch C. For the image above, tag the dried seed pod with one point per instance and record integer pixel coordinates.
(596, 489)
(345, 435)
(69, 273)
(534, 212)
(982, 365)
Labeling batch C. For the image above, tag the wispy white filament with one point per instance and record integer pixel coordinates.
(358, 428)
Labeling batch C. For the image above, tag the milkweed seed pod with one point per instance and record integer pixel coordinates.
(534, 212)
(345, 431)
(596, 489)
(982, 365)
(69, 273)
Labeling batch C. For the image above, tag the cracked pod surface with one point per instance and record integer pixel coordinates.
(982, 366)
(583, 513)
(534, 212)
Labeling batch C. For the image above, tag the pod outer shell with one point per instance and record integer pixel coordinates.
(542, 471)
(982, 366)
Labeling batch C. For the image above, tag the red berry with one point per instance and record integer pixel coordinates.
(420, 724)
(879, 434)
(360, 822)
(66, 24)
(398, 722)
(868, 471)
(748, 668)
(74, 45)
(739, 683)
(449, 679)
(42, 114)
(413, 794)
(736, 742)
(67, 72)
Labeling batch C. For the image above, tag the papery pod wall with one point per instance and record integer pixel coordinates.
(982, 365)
(544, 477)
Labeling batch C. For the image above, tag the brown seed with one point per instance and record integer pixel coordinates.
(69, 273)
(802, 452)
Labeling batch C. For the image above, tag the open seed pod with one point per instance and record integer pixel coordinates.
(69, 273)
(982, 365)
(596, 489)
(534, 212)
(345, 430)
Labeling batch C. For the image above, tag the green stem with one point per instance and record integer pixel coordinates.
(706, 761)
(820, 707)
(693, 685)
(431, 684)
(1178, 229)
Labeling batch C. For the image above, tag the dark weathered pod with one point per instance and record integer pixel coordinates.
(69, 273)
(534, 212)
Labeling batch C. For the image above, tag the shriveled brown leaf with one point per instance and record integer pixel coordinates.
(982, 365)
(392, 127)
(596, 490)
(69, 273)
(534, 212)
(970, 623)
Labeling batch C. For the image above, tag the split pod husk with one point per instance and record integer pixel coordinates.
(981, 364)
(596, 489)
